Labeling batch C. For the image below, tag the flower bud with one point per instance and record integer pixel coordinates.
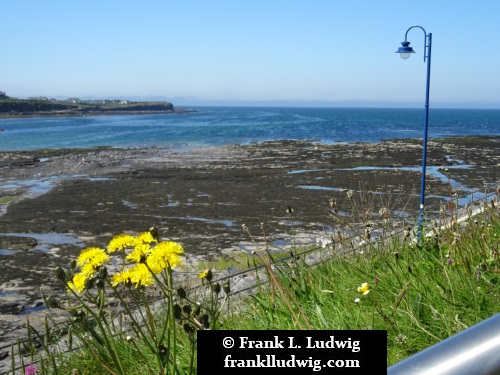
(216, 288)
(60, 274)
(209, 276)
(77, 315)
(89, 283)
(181, 292)
(188, 328)
(197, 309)
(162, 351)
(103, 272)
(72, 264)
(177, 311)
(225, 287)
(187, 309)
(205, 320)
(99, 283)
(154, 233)
(69, 274)
(51, 302)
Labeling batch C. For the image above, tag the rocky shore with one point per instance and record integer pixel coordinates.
(53, 203)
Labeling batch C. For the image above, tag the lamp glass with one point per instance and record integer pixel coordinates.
(405, 55)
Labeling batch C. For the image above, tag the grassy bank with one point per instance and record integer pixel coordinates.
(421, 292)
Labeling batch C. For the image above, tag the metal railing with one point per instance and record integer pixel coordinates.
(473, 351)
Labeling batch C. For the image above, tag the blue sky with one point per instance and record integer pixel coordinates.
(222, 51)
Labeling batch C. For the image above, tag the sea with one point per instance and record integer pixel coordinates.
(198, 127)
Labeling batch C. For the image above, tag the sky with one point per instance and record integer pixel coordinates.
(319, 52)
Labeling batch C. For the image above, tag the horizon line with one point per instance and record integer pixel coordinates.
(201, 102)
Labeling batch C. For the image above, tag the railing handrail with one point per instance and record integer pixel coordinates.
(472, 351)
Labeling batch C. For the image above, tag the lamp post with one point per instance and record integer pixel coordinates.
(405, 51)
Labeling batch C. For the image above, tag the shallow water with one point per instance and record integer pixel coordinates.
(46, 241)
(227, 223)
(215, 126)
(34, 187)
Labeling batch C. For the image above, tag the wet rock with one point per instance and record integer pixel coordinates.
(201, 199)
(17, 243)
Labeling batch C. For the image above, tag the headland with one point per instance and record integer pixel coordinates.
(45, 107)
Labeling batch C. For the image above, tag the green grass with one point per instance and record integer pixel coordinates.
(7, 200)
(420, 293)
(240, 260)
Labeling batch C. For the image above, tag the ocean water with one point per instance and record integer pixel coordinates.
(215, 126)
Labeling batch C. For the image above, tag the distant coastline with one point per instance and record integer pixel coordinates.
(89, 113)
(73, 107)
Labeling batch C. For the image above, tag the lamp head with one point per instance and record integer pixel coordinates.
(405, 50)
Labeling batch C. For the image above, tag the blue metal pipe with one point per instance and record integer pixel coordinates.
(426, 128)
(427, 57)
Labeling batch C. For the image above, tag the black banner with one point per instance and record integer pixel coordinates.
(292, 352)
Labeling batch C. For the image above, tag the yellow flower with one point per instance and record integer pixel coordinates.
(165, 255)
(94, 256)
(120, 242)
(124, 277)
(207, 274)
(78, 283)
(364, 288)
(141, 275)
(88, 269)
(144, 238)
(170, 247)
(140, 253)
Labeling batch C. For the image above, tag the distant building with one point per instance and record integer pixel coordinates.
(73, 100)
(2, 95)
(42, 98)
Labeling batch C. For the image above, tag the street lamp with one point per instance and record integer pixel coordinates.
(405, 52)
